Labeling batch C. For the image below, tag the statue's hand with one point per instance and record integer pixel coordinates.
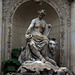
(28, 36)
(49, 26)
(43, 60)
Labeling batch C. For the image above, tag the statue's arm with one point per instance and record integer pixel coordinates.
(29, 30)
(30, 27)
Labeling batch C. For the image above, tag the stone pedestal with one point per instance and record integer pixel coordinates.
(28, 74)
(73, 36)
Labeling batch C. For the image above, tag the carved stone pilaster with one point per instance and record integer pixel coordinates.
(62, 60)
(65, 8)
(64, 49)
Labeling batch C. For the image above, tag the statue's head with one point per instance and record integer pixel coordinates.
(52, 43)
(42, 13)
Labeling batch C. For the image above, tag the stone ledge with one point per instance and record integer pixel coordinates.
(28, 74)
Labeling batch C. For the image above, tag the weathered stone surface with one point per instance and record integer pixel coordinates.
(63, 5)
(65, 9)
(24, 74)
(37, 66)
(29, 74)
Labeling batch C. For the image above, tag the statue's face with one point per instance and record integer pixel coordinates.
(41, 15)
(52, 44)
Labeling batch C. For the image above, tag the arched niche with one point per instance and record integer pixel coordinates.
(23, 16)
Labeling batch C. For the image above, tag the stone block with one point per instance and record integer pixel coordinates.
(28, 74)
(31, 74)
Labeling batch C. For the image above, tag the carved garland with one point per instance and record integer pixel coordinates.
(65, 5)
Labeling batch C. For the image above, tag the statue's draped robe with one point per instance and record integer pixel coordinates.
(37, 46)
(39, 41)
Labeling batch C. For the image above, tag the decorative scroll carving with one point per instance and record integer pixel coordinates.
(65, 8)
(62, 48)
(9, 40)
